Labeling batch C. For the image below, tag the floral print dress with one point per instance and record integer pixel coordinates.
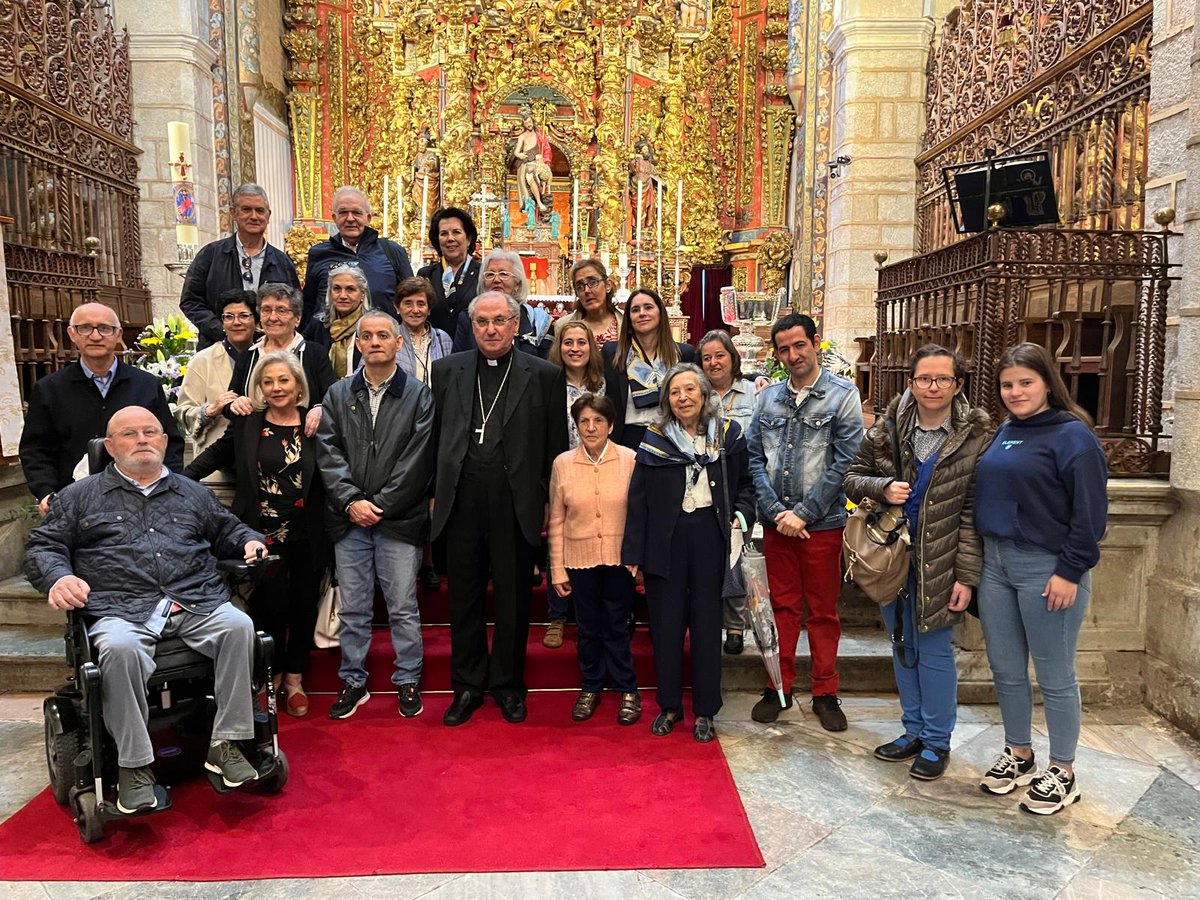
(281, 483)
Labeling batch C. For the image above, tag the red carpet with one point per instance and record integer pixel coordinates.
(380, 795)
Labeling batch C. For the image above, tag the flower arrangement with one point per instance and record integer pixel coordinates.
(829, 358)
(164, 349)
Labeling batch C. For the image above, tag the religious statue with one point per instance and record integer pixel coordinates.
(532, 155)
(426, 165)
(643, 186)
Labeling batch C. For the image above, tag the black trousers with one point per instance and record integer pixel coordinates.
(690, 601)
(603, 603)
(484, 540)
(284, 604)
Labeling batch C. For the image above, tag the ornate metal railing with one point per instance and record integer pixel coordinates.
(1097, 300)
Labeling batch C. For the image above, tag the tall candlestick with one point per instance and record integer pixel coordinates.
(400, 210)
(387, 208)
(424, 210)
(637, 266)
(575, 218)
(658, 241)
(483, 203)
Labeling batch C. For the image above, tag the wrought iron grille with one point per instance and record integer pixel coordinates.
(1097, 300)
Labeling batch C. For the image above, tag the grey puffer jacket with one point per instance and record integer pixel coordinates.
(946, 549)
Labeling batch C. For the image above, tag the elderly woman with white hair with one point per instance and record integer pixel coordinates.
(503, 271)
(345, 302)
(691, 484)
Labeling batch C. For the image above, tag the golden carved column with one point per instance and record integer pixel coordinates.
(456, 121)
(302, 76)
(671, 157)
(610, 131)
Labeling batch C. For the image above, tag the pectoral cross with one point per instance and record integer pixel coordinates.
(479, 431)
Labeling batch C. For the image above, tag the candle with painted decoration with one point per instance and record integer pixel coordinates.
(179, 144)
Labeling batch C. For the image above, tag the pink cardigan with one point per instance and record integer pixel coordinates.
(587, 509)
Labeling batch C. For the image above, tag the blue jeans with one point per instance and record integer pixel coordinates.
(929, 691)
(1017, 625)
(362, 555)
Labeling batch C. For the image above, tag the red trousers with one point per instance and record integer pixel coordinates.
(806, 572)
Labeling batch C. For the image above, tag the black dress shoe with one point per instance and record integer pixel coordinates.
(462, 708)
(734, 643)
(900, 749)
(930, 763)
(429, 578)
(512, 707)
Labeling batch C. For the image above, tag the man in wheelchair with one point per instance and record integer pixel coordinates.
(132, 549)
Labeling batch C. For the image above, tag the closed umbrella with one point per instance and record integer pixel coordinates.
(760, 615)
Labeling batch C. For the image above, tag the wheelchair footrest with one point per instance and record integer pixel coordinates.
(265, 763)
(109, 812)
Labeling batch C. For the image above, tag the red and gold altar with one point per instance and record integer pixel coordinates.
(658, 135)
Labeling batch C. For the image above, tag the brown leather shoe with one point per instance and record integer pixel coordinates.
(585, 706)
(554, 634)
(631, 708)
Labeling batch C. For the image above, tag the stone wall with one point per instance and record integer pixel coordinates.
(1173, 611)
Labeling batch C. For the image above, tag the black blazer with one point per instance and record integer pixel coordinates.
(66, 411)
(237, 450)
(535, 432)
(217, 269)
(444, 313)
(656, 495)
(616, 382)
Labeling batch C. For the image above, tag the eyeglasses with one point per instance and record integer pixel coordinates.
(498, 322)
(237, 317)
(282, 312)
(943, 381)
(581, 286)
(86, 330)
(503, 276)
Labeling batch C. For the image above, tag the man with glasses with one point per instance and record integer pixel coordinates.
(384, 262)
(499, 425)
(503, 271)
(73, 405)
(242, 261)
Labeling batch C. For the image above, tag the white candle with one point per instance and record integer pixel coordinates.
(679, 215)
(424, 210)
(575, 217)
(658, 241)
(387, 209)
(400, 210)
(483, 205)
(638, 264)
(179, 148)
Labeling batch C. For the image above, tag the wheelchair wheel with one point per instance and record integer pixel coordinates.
(87, 818)
(275, 782)
(61, 750)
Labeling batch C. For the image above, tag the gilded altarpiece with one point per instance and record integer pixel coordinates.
(629, 105)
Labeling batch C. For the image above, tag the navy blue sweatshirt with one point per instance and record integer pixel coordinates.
(1043, 483)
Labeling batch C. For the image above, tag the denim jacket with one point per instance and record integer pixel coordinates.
(799, 455)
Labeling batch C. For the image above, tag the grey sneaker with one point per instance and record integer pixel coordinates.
(225, 759)
(135, 790)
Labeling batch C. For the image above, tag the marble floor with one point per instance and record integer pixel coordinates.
(831, 821)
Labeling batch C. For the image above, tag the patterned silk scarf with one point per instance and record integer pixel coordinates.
(341, 335)
(644, 376)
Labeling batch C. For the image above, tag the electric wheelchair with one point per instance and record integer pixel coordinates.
(81, 755)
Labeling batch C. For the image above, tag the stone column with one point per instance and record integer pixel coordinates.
(172, 82)
(1172, 666)
(879, 48)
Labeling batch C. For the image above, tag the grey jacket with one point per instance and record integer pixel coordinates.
(390, 462)
(134, 550)
(946, 549)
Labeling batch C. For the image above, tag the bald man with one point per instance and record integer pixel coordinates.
(384, 262)
(131, 550)
(73, 405)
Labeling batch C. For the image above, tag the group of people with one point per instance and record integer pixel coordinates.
(395, 426)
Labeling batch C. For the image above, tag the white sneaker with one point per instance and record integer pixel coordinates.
(1051, 792)
(1008, 773)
